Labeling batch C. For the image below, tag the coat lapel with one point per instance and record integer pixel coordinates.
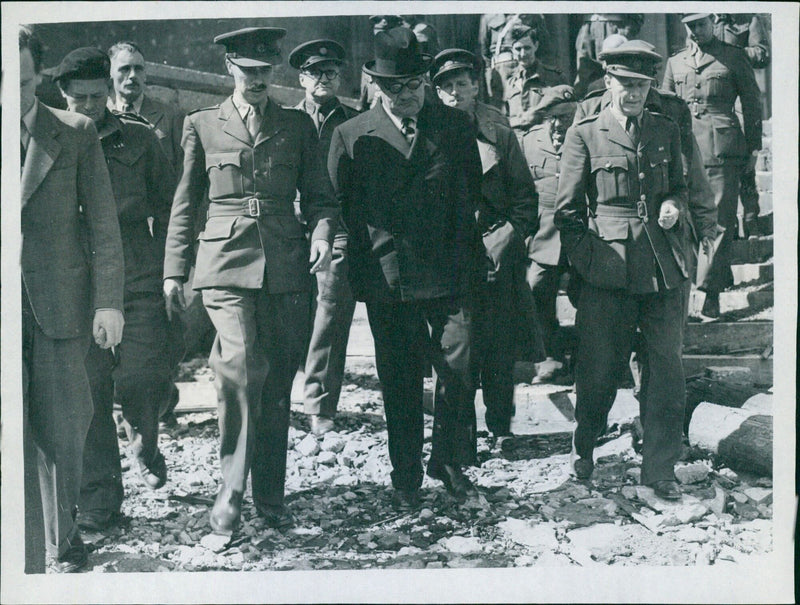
(270, 124)
(381, 125)
(648, 133)
(615, 132)
(234, 126)
(151, 112)
(43, 149)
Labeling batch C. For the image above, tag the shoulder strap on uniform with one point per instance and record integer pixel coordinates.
(194, 111)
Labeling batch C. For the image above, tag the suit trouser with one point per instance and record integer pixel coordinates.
(409, 335)
(259, 345)
(138, 379)
(327, 347)
(724, 182)
(59, 406)
(544, 281)
(606, 322)
(494, 336)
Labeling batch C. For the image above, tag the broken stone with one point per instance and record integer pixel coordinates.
(634, 473)
(691, 473)
(327, 458)
(346, 480)
(600, 540)
(692, 534)
(717, 504)
(325, 474)
(426, 515)
(759, 495)
(629, 492)
(462, 545)
(332, 443)
(523, 532)
(308, 446)
(739, 497)
(215, 542)
(435, 565)
(731, 374)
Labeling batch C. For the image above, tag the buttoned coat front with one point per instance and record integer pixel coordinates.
(600, 166)
(409, 209)
(238, 250)
(710, 80)
(71, 250)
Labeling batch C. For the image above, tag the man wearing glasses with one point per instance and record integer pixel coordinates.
(319, 63)
(408, 176)
(254, 267)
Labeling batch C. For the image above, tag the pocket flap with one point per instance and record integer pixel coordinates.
(612, 228)
(126, 155)
(609, 162)
(225, 158)
(218, 228)
(658, 157)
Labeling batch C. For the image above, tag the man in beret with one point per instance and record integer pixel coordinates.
(710, 76)
(254, 266)
(72, 286)
(319, 63)
(525, 84)
(542, 146)
(620, 208)
(506, 215)
(136, 375)
(408, 177)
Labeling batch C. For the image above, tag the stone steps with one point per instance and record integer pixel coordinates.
(753, 273)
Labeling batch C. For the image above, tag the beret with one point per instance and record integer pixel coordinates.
(553, 96)
(87, 63)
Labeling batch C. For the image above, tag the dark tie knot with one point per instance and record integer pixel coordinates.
(408, 127)
(632, 128)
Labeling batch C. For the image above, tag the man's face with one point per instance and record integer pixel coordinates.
(524, 51)
(127, 73)
(383, 23)
(701, 30)
(321, 81)
(559, 119)
(87, 97)
(252, 83)
(628, 94)
(458, 90)
(28, 80)
(404, 103)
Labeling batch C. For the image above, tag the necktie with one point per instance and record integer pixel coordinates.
(632, 128)
(253, 121)
(407, 126)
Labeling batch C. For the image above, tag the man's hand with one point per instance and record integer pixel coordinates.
(173, 296)
(320, 257)
(668, 215)
(707, 243)
(107, 327)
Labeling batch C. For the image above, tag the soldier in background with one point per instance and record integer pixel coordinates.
(254, 264)
(369, 90)
(319, 63)
(136, 375)
(547, 261)
(425, 33)
(710, 76)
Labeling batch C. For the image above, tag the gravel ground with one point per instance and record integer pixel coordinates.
(529, 512)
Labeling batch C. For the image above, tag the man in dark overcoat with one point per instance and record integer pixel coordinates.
(619, 209)
(254, 266)
(408, 178)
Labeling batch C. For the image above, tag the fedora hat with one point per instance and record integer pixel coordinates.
(397, 55)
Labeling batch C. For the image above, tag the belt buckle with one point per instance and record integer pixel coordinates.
(253, 208)
(641, 210)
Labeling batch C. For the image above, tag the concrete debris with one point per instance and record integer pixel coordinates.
(692, 473)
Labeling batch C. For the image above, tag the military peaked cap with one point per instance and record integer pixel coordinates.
(631, 59)
(452, 59)
(252, 46)
(317, 51)
(687, 17)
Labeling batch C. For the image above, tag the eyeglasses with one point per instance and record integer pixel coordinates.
(396, 87)
(323, 74)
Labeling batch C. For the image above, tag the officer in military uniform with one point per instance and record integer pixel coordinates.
(137, 374)
(506, 214)
(526, 82)
(710, 75)
(254, 267)
(319, 63)
(542, 146)
(619, 209)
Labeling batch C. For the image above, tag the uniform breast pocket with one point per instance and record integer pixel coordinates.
(659, 170)
(610, 175)
(718, 84)
(224, 174)
(728, 138)
(283, 176)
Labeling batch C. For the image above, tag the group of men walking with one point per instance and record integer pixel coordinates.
(451, 219)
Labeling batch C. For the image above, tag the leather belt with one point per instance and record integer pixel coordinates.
(550, 204)
(252, 207)
(637, 211)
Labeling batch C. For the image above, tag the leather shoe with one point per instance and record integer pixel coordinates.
(275, 516)
(226, 511)
(454, 479)
(667, 489)
(98, 519)
(405, 500)
(711, 305)
(155, 473)
(73, 560)
(321, 424)
(582, 468)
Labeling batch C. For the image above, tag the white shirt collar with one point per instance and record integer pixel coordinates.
(623, 119)
(397, 121)
(242, 106)
(118, 104)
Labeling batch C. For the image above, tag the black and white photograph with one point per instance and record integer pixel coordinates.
(307, 304)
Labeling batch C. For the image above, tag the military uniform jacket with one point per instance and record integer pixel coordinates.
(167, 122)
(142, 179)
(747, 31)
(66, 195)
(507, 210)
(409, 209)
(544, 163)
(710, 80)
(702, 208)
(524, 90)
(252, 238)
(606, 185)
